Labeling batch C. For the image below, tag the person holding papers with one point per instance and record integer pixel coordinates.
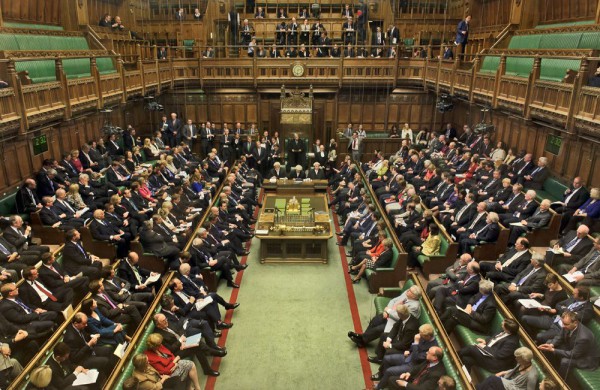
(548, 299)
(65, 374)
(586, 272)
(141, 280)
(166, 363)
(530, 280)
(570, 248)
(478, 313)
(494, 353)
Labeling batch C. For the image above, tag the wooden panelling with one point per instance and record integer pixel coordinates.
(491, 12)
(32, 11)
(553, 11)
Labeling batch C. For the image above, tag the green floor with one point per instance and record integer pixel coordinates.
(290, 330)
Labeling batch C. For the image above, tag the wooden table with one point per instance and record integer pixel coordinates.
(289, 246)
(285, 186)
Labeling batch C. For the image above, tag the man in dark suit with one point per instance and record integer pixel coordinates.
(477, 314)
(524, 210)
(459, 293)
(510, 203)
(117, 312)
(508, 265)
(574, 347)
(540, 218)
(113, 148)
(537, 176)
(530, 280)
(573, 198)
(422, 376)
(76, 259)
(54, 277)
(64, 372)
(276, 172)
(129, 138)
(462, 216)
(38, 323)
(173, 130)
(297, 173)
(497, 352)
(137, 277)
(570, 248)
(462, 34)
(36, 295)
(316, 173)
(154, 243)
(487, 232)
(50, 216)
(174, 338)
(452, 275)
(26, 198)
(121, 291)
(399, 338)
(84, 348)
(189, 133)
(11, 259)
(260, 158)
(104, 231)
(586, 272)
(22, 345)
(20, 238)
(296, 150)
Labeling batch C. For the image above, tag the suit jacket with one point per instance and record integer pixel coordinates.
(485, 311)
(26, 201)
(16, 239)
(80, 350)
(52, 279)
(427, 381)
(578, 198)
(102, 232)
(297, 175)
(579, 348)
(15, 314)
(403, 335)
(316, 176)
(588, 266)
(189, 132)
(114, 149)
(583, 309)
(153, 242)
(538, 178)
(539, 219)
(503, 350)
(125, 272)
(466, 216)
(488, 233)
(173, 126)
(525, 209)
(518, 265)
(74, 257)
(48, 216)
(466, 290)
(62, 374)
(533, 283)
(30, 296)
(578, 251)
(385, 259)
(11, 248)
(460, 37)
(279, 175)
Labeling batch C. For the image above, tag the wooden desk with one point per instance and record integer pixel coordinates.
(291, 246)
(291, 187)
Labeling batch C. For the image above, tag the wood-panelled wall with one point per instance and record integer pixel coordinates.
(577, 157)
(32, 11)
(491, 12)
(555, 11)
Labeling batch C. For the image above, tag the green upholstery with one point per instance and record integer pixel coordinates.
(490, 64)
(33, 26)
(8, 42)
(520, 67)
(444, 244)
(189, 44)
(589, 40)
(395, 254)
(525, 42)
(555, 69)
(589, 379)
(595, 291)
(105, 65)
(567, 24)
(7, 204)
(552, 189)
(77, 67)
(560, 41)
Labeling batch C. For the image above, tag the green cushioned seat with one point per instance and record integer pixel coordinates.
(552, 189)
(595, 290)
(77, 68)
(566, 24)
(8, 42)
(589, 379)
(105, 65)
(33, 26)
(589, 40)
(41, 71)
(381, 302)
(560, 41)
(520, 67)
(555, 69)
(525, 42)
(395, 254)
(490, 64)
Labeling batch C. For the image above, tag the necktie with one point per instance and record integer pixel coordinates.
(524, 278)
(137, 274)
(46, 292)
(24, 306)
(107, 299)
(535, 171)
(496, 338)
(481, 230)
(421, 375)
(4, 250)
(571, 244)
(475, 221)
(54, 269)
(591, 262)
(479, 302)
(133, 205)
(31, 195)
(68, 206)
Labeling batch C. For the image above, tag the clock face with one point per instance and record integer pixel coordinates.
(298, 70)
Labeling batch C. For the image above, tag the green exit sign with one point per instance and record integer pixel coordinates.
(40, 144)
(553, 144)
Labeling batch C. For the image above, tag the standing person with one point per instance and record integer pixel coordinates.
(354, 147)
(173, 127)
(462, 35)
(190, 133)
(234, 22)
(295, 151)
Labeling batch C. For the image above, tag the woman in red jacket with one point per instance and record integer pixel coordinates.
(165, 363)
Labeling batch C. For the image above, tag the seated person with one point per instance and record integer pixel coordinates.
(523, 376)
(38, 296)
(54, 277)
(38, 323)
(508, 265)
(117, 312)
(571, 247)
(166, 363)
(460, 292)
(452, 275)
(530, 280)
(478, 313)
(426, 375)
(64, 372)
(485, 233)
(111, 333)
(573, 347)
(381, 261)
(494, 353)
(137, 277)
(147, 377)
(400, 337)
(586, 272)
(539, 219)
(553, 294)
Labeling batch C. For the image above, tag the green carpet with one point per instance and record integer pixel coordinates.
(290, 329)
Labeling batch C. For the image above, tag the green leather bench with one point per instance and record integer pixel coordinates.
(33, 26)
(588, 379)
(490, 64)
(8, 204)
(551, 189)
(384, 277)
(438, 263)
(140, 348)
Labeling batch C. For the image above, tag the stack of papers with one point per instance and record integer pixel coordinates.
(532, 304)
(86, 378)
(192, 341)
(571, 277)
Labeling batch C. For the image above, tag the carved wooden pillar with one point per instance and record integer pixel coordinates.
(575, 101)
(499, 73)
(140, 66)
(121, 71)
(96, 75)
(533, 77)
(473, 74)
(13, 79)
(62, 79)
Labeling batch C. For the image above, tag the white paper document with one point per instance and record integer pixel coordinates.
(202, 303)
(86, 378)
(152, 278)
(532, 304)
(571, 277)
(192, 341)
(120, 350)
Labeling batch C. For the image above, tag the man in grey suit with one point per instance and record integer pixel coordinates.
(539, 219)
(574, 347)
(189, 133)
(586, 272)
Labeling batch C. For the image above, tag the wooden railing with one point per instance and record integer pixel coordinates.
(570, 105)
